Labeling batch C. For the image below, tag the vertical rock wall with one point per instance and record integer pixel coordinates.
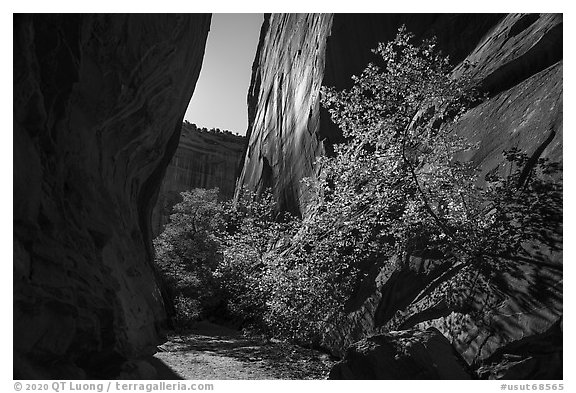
(98, 105)
(283, 114)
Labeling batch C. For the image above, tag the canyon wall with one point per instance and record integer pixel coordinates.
(98, 106)
(297, 54)
(204, 159)
(283, 117)
(517, 62)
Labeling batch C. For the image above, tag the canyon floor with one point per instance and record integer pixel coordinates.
(213, 352)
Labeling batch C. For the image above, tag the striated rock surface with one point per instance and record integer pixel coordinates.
(283, 115)
(518, 62)
(402, 355)
(204, 159)
(98, 106)
(297, 54)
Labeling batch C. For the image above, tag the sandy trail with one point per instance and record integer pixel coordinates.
(214, 352)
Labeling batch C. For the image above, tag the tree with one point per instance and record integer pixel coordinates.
(396, 173)
(395, 187)
(188, 252)
(255, 231)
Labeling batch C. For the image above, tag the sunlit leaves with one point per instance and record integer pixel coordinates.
(395, 185)
(398, 158)
(188, 251)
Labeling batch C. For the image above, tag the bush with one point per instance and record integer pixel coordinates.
(187, 311)
(396, 176)
(255, 233)
(188, 251)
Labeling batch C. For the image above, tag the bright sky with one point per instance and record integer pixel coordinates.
(219, 100)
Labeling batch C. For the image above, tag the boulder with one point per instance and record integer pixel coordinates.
(409, 354)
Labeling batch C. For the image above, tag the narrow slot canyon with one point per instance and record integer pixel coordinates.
(401, 221)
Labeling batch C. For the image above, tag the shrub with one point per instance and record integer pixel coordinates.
(188, 251)
(187, 311)
(255, 232)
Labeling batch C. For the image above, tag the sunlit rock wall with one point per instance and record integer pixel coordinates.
(204, 159)
(98, 105)
(283, 117)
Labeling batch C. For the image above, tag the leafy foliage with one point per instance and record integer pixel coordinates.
(255, 229)
(396, 176)
(395, 188)
(188, 252)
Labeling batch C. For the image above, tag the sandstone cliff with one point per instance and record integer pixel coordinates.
(296, 55)
(98, 105)
(204, 159)
(518, 62)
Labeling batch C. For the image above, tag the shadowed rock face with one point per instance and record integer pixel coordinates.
(98, 106)
(518, 62)
(402, 355)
